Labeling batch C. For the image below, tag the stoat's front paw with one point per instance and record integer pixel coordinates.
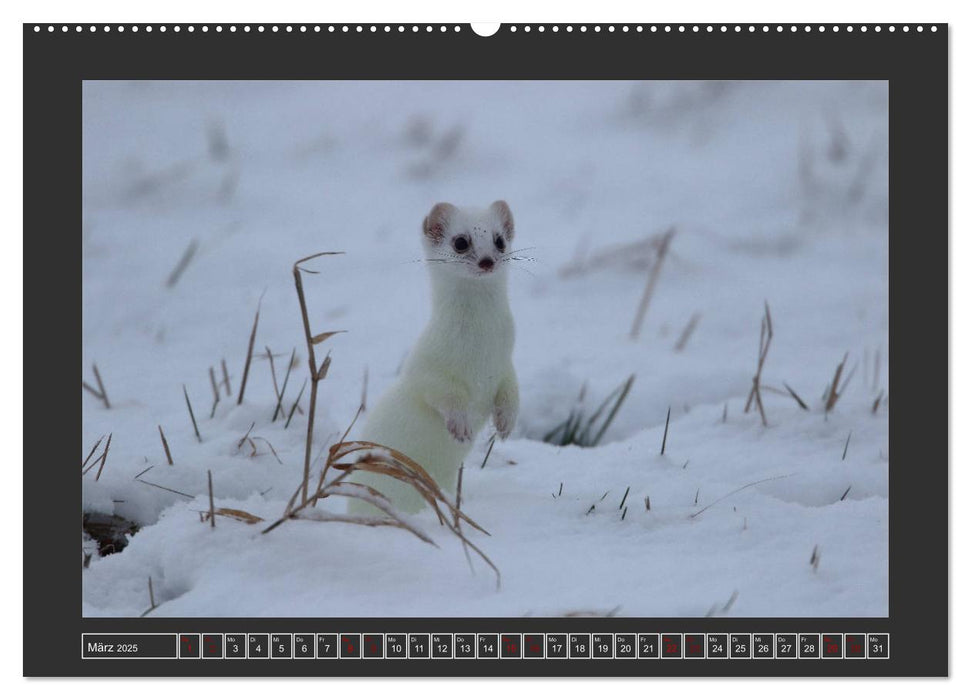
(458, 426)
(504, 418)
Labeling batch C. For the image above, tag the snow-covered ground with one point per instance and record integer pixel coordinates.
(778, 194)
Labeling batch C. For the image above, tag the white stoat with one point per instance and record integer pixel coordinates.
(460, 372)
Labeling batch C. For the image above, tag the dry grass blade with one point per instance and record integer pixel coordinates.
(269, 357)
(765, 341)
(165, 488)
(212, 508)
(686, 333)
(846, 446)
(664, 440)
(652, 278)
(293, 408)
(624, 499)
(613, 411)
(86, 459)
(876, 402)
(740, 488)
(833, 395)
(215, 392)
(192, 415)
(492, 441)
(458, 523)
(283, 391)
(364, 390)
(101, 386)
(315, 373)
(268, 444)
(165, 445)
(183, 263)
(322, 517)
(100, 392)
(249, 353)
(378, 459)
(240, 515)
(849, 376)
(329, 462)
(794, 395)
(321, 337)
(225, 381)
(151, 598)
(239, 445)
(104, 458)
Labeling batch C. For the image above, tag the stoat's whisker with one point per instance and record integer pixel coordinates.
(519, 250)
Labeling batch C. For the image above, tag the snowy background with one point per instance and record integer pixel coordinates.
(777, 193)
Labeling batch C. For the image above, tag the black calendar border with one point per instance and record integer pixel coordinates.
(916, 66)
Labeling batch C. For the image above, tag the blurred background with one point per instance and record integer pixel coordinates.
(198, 197)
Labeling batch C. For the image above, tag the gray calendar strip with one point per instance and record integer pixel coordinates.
(510, 646)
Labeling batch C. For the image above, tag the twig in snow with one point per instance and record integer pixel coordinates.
(165, 445)
(624, 499)
(792, 392)
(249, 353)
(492, 441)
(192, 415)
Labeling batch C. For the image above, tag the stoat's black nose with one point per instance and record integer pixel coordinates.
(486, 263)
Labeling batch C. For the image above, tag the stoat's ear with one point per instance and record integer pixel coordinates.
(502, 211)
(437, 221)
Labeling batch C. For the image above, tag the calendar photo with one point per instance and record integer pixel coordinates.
(485, 348)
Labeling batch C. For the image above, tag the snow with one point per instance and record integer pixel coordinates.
(778, 194)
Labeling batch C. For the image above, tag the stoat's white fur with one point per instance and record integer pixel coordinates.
(460, 373)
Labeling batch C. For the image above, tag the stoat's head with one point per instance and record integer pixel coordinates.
(469, 242)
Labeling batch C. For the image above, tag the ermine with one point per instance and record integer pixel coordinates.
(460, 372)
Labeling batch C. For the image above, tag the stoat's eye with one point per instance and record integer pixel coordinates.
(500, 243)
(460, 243)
